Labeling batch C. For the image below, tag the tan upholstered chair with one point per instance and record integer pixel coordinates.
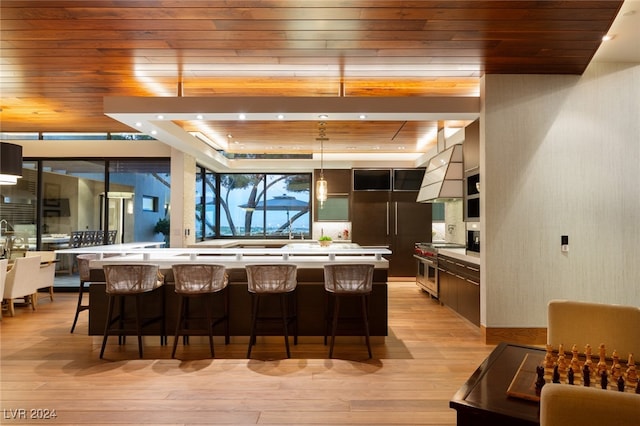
(582, 323)
(273, 280)
(47, 273)
(22, 282)
(18, 245)
(562, 404)
(130, 281)
(342, 280)
(200, 281)
(84, 274)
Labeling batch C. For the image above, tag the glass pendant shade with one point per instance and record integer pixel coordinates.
(321, 189)
(10, 163)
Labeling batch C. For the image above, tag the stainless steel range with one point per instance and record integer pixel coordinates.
(426, 255)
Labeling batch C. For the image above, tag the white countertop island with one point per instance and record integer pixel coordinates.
(307, 255)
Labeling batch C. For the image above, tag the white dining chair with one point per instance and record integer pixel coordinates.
(20, 282)
(4, 264)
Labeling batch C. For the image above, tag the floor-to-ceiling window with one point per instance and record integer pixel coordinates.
(264, 205)
(137, 202)
(71, 192)
(205, 204)
(18, 212)
(58, 197)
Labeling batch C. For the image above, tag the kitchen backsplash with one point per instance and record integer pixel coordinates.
(453, 229)
(336, 230)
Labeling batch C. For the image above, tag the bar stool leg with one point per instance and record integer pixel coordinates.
(79, 307)
(285, 322)
(256, 301)
(327, 315)
(178, 325)
(295, 317)
(336, 313)
(365, 319)
(122, 339)
(163, 323)
(210, 322)
(138, 325)
(106, 325)
(227, 332)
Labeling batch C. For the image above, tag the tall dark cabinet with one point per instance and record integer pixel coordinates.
(394, 219)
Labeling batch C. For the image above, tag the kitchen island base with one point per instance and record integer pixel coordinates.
(311, 300)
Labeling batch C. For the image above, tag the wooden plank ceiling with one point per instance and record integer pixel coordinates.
(60, 58)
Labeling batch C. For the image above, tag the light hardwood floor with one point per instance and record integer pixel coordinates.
(428, 355)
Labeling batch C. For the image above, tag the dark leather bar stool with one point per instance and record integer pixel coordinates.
(342, 280)
(273, 280)
(83, 271)
(130, 281)
(200, 281)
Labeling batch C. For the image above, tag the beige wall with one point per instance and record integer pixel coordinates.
(183, 199)
(560, 155)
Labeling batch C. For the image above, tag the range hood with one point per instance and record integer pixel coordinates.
(443, 178)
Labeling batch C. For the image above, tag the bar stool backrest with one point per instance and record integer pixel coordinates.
(75, 240)
(132, 278)
(199, 278)
(111, 236)
(348, 278)
(83, 265)
(88, 238)
(280, 278)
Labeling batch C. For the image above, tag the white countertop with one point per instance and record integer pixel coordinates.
(307, 255)
(230, 243)
(461, 254)
(231, 261)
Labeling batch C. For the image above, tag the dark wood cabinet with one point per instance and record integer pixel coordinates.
(338, 180)
(411, 223)
(459, 287)
(336, 208)
(370, 218)
(394, 220)
(447, 292)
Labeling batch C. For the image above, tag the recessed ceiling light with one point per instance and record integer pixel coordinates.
(607, 37)
(199, 116)
(323, 116)
(242, 117)
(154, 132)
(362, 116)
(229, 135)
(160, 117)
(280, 116)
(138, 124)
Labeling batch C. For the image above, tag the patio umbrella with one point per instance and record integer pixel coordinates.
(280, 203)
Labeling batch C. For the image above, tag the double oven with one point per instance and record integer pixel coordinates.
(426, 255)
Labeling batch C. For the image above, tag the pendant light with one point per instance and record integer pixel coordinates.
(10, 163)
(321, 183)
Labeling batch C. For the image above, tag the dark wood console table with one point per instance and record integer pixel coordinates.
(483, 399)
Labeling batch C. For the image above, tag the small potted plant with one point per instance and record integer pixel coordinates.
(163, 226)
(325, 241)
